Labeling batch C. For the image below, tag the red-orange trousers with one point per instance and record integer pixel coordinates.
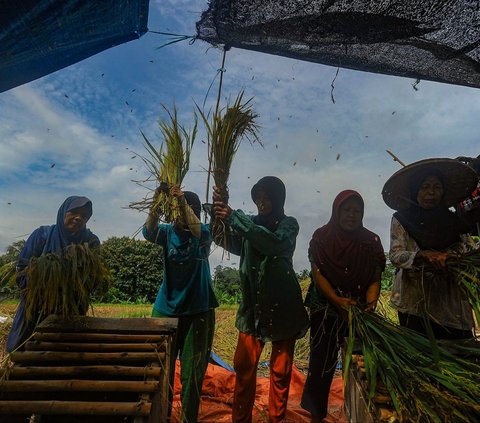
(245, 363)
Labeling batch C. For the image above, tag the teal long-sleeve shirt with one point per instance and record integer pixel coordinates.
(271, 307)
(187, 283)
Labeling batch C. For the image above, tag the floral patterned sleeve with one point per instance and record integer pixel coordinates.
(403, 248)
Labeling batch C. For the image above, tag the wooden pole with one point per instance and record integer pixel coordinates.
(78, 346)
(76, 407)
(27, 372)
(76, 385)
(98, 337)
(395, 158)
(49, 356)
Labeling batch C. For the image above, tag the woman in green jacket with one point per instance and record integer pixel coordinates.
(271, 307)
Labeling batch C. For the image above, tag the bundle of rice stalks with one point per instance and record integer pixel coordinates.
(167, 165)
(225, 133)
(63, 284)
(467, 271)
(425, 384)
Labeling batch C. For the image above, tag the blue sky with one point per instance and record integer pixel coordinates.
(86, 119)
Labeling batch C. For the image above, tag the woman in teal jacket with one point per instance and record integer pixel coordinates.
(271, 307)
(186, 293)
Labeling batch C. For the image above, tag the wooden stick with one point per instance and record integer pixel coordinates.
(77, 346)
(43, 356)
(76, 385)
(131, 325)
(75, 407)
(98, 337)
(395, 158)
(32, 371)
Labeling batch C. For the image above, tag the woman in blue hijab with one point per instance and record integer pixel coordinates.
(70, 228)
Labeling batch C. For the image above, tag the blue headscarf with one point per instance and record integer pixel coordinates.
(58, 238)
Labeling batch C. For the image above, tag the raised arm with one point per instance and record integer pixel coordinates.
(188, 215)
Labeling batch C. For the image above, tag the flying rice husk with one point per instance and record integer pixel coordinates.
(225, 133)
(425, 383)
(64, 283)
(167, 165)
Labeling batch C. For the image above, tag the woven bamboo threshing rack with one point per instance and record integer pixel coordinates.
(87, 369)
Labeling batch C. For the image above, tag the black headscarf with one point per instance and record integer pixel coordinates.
(277, 193)
(193, 201)
(433, 229)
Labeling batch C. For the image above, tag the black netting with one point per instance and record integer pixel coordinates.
(38, 37)
(435, 40)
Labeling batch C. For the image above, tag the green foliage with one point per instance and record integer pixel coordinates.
(8, 261)
(12, 252)
(137, 269)
(226, 284)
(388, 276)
(303, 274)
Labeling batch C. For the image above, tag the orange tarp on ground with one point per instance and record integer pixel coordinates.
(217, 396)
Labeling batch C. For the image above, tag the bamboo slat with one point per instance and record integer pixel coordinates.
(49, 356)
(18, 372)
(77, 386)
(78, 346)
(77, 407)
(140, 325)
(98, 337)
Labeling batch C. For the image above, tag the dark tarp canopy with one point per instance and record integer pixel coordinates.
(38, 37)
(424, 39)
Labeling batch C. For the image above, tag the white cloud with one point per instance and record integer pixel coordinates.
(80, 120)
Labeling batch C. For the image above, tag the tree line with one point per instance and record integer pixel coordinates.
(137, 270)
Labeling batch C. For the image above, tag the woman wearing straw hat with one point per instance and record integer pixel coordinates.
(424, 235)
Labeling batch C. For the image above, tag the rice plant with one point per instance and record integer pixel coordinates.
(226, 130)
(467, 271)
(167, 166)
(425, 384)
(64, 283)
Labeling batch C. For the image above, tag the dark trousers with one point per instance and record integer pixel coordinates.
(418, 324)
(326, 335)
(194, 343)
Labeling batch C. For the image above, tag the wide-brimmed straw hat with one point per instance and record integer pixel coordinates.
(459, 180)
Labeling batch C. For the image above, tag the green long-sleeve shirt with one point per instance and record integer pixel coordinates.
(271, 307)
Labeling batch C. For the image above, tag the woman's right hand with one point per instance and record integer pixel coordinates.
(437, 259)
(222, 210)
(343, 303)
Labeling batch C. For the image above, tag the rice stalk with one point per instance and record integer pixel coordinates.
(424, 386)
(466, 269)
(226, 130)
(63, 283)
(167, 166)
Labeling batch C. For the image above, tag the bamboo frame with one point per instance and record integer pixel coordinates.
(49, 356)
(77, 385)
(77, 407)
(27, 372)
